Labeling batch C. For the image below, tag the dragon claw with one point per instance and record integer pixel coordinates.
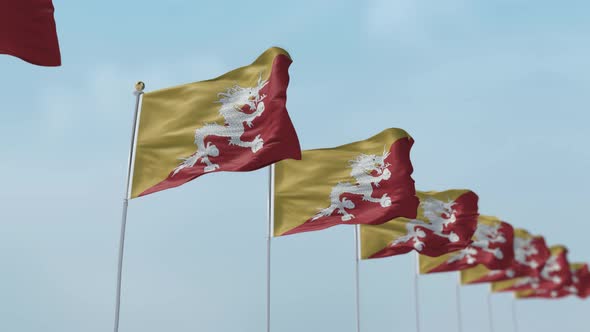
(212, 150)
(211, 168)
(347, 217)
(419, 245)
(385, 201)
(498, 254)
(348, 204)
(257, 143)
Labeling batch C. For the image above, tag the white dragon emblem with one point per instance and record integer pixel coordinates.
(362, 170)
(510, 273)
(524, 248)
(551, 266)
(533, 282)
(484, 236)
(571, 289)
(439, 214)
(232, 101)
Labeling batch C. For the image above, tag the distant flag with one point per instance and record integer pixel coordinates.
(366, 182)
(235, 122)
(554, 275)
(580, 286)
(445, 223)
(581, 279)
(584, 284)
(27, 31)
(530, 254)
(492, 246)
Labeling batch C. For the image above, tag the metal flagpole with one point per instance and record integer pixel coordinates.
(490, 316)
(139, 86)
(416, 295)
(514, 321)
(271, 172)
(356, 266)
(458, 298)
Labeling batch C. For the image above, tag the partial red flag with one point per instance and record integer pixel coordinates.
(445, 223)
(555, 274)
(583, 285)
(530, 255)
(492, 246)
(27, 31)
(580, 286)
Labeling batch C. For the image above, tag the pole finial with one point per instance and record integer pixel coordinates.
(139, 86)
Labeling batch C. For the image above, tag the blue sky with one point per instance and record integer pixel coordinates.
(494, 93)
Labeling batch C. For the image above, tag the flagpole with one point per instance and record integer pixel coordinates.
(458, 298)
(490, 316)
(139, 86)
(416, 295)
(514, 320)
(271, 169)
(357, 282)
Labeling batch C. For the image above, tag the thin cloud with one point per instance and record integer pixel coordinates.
(408, 21)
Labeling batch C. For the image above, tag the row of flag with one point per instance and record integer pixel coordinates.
(239, 122)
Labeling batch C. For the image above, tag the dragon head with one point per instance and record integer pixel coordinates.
(238, 96)
(436, 209)
(489, 234)
(370, 164)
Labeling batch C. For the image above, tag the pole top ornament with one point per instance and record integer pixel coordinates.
(139, 86)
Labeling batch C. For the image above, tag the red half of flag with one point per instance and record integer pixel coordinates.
(27, 31)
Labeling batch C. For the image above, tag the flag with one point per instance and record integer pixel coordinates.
(554, 275)
(445, 223)
(27, 31)
(583, 285)
(580, 286)
(581, 280)
(530, 254)
(366, 182)
(235, 122)
(492, 246)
